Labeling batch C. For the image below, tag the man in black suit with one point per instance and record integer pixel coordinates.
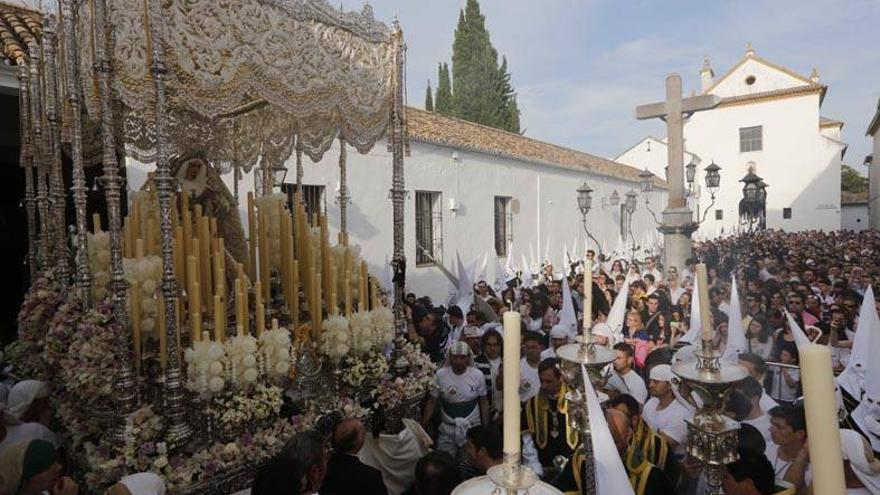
(346, 474)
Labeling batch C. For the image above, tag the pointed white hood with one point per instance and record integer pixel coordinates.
(611, 477)
(736, 334)
(617, 314)
(567, 315)
(852, 379)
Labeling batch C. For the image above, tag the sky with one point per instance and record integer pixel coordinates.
(580, 67)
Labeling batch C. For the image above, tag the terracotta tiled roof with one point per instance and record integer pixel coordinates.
(772, 95)
(849, 198)
(439, 129)
(18, 28)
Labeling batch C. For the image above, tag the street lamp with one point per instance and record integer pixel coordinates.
(585, 198)
(585, 203)
(646, 180)
(279, 173)
(754, 200)
(713, 182)
(630, 206)
(690, 173)
(615, 198)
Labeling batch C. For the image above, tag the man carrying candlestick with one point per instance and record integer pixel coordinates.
(548, 434)
(461, 394)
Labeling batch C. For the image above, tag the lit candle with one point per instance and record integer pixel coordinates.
(707, 332)
(588, 298)
(820, 406)
(511, 361)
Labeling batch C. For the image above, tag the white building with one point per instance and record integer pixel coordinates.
(854, 211)
(768, 120)
(872, 161)
(461, 177)
(472, 188)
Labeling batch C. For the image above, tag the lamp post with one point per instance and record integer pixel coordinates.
(630, 206)
(279, 173)
(754, 202)
(585, 204)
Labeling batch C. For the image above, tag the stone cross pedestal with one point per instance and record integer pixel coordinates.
(678, 223)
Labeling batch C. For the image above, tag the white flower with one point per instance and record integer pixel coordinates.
(282, 368)
(160, 462)
(250, 375)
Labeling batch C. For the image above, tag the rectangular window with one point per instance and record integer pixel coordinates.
(786, 213)
(503, 225)
(719, 214)
(751, 139)
(429, 228)
(313, 197)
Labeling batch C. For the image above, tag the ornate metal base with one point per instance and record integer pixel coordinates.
(511, 476)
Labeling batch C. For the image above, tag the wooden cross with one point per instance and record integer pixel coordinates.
(672, 111)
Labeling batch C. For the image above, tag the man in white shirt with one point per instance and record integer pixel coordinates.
(530, 382)
(757, 417)
(663, 413)
(651, 268)
(623, 367)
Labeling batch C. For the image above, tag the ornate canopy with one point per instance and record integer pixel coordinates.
(246, 78)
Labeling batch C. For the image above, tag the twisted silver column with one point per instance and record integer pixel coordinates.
(26, 162)
(125, 385)
(83, 270)
(343, 199)
(398, 193)
(38, 152)
(178, 431)
(57, 197)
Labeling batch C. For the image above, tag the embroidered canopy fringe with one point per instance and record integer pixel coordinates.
(247, 80)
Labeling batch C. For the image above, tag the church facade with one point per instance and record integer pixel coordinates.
(769, 121)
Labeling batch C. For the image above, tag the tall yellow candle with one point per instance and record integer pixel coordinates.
(820, 406)
(707, 332)
(205, 259)
(96, 222)
(179, 254)
(187, 231)
(219, 318)
(588, 298)
(511, 376)
(177, 330)
(139, 249)
(347, 294)
(294, 309)
(196, 318)
(252, 237)
(261, 318)
(151, 235)
(239, 304)
(135, 299)
(362, 287)
(258, 301)
(127, 239)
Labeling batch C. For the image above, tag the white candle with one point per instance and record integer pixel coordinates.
(588, 297)
(512, 337)
(707, 332)
(820, 406)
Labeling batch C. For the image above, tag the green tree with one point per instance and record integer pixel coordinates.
(852, 181)
(481, 89)
(443, 98)
(429, 99)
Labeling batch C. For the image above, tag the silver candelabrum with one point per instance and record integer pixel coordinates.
(711, 435)
(585, 354)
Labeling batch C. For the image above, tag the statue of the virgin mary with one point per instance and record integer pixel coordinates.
(198, 178)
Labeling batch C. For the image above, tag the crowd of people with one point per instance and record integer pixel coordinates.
(641, 311)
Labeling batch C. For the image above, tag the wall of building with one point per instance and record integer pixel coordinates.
(547, 217)
(854, 216)
(801, 166)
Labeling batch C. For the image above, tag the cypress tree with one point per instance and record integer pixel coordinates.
(483, 93)
(429, 99)
(443, 98)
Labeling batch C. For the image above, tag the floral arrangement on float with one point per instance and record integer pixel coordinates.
(38, 308)
(183, 473)
(420, 379)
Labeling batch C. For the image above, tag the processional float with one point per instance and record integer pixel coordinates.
(175, 346)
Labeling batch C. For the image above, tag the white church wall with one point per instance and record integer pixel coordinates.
(801, 167)
(765, 79)
(854, 216)
(547, 218)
